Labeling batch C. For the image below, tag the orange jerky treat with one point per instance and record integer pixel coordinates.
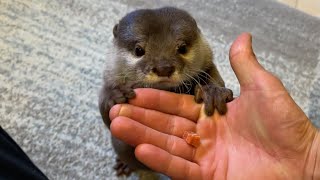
(191, 138)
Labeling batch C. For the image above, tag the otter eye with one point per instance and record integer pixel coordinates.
(139, 51)
(182, 49)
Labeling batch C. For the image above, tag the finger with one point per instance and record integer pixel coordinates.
(134, 133)
(243, 60)
(165, 123)
(173, 166)
(171, 103)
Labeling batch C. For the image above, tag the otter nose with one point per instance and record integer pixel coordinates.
(164, 70)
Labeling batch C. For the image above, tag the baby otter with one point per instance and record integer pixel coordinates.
(163, 49)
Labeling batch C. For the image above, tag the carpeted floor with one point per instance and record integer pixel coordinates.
(52, 54)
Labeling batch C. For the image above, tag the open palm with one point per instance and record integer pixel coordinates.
(264, 134)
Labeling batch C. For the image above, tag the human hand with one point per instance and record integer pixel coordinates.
(264, 134)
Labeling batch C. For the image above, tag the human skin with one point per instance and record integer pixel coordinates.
(264, 135)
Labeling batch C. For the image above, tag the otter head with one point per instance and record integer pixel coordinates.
(161, 48)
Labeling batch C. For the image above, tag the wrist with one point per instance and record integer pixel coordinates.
(312, 168)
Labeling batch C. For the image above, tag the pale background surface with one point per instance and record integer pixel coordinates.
(311, 7)
(52, 54)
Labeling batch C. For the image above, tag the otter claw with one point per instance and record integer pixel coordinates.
(122, 168)
(213, 97)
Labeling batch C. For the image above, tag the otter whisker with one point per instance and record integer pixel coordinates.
(198, 77)
(202, 74)
(205, 80)
(195, 81)
(180, 90)
(207, 75)
(123, 76)
(188, 87)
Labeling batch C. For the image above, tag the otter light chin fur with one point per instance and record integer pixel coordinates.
(163, 49)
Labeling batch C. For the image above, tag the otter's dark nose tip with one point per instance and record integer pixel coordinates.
(164, 71)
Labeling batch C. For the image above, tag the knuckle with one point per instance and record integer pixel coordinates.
(171, 144)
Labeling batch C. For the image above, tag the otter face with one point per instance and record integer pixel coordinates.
(162, 47)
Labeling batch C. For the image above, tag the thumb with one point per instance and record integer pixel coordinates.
(243, 61)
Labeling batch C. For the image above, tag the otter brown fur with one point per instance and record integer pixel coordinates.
(163, 49)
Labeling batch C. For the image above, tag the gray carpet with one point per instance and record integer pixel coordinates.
(52, 53)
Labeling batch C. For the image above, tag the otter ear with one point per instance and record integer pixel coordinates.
(115, 31)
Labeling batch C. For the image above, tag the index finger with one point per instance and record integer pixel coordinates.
(182, 105)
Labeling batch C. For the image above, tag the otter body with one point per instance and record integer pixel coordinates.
(163, 49)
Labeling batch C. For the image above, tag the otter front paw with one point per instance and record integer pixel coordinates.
(119, 94)
(213, 96)
(112, 95)
(122, 168)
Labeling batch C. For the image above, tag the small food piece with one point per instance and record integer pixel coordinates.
(191, 138)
